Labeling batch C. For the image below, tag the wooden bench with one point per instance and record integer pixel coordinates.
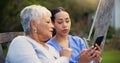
(6, 38)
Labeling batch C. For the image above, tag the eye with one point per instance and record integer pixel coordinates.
(48, 21)
(60, 22)
(67, 21)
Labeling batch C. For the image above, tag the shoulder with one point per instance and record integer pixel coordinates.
(19, 41)
(77, 42)
(75, 38)
(51, 42)
(19, 45)
(18, 38)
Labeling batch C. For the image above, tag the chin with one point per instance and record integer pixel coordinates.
(50, 36)
(65, 34)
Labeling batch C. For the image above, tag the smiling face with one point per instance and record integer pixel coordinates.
(62, 23)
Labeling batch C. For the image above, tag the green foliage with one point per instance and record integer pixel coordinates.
(113, 43)
(111, 56)
(110, 32)
(10, 10)
(10, 16)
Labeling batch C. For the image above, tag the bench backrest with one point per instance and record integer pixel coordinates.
(6, 37)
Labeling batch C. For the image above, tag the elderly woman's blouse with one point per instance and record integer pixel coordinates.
(26, 50)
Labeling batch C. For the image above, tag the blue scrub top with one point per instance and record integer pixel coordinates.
(75, 43)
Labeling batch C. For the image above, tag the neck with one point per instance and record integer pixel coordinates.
(62, 40)
(36, 37)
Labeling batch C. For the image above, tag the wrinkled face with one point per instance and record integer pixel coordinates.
(62, 23)
(45, 28)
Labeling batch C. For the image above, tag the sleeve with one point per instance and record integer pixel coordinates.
(80, 42)
(83, 45)
(21, 51)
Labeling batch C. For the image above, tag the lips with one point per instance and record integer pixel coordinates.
(51, 31)
(65, 30)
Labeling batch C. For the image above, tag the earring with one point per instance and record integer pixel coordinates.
(35, 30)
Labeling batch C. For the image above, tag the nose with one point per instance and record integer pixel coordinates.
(52, 26)
(64, 24)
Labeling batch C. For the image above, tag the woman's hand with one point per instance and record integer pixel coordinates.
(97, 54)
(87, 55)
(66, 52)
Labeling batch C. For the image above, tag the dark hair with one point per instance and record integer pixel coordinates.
(53, 12)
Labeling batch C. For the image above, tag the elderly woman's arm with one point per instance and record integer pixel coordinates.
(21, 51)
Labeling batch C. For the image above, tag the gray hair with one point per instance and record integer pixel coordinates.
(32, 12)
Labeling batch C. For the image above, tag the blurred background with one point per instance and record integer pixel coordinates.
(82, 14)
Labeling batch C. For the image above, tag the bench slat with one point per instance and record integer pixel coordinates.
(8, 36)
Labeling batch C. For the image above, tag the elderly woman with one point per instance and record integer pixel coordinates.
(31, 47)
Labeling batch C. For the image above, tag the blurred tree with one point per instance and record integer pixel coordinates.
(10, 10)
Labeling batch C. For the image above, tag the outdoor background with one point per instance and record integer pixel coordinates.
(81, 13)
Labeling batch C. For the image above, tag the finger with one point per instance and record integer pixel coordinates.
(92, 51)
(98, 53)
(83, 51)
(94, 48)
(90, 48)
(93, 55)
(97, 56)
(98, 47)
